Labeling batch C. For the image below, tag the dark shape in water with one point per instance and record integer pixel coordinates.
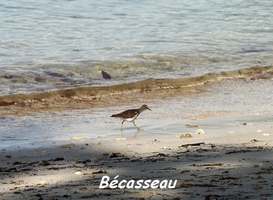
(105, 75)
(40, 79)
(55, 74)
(8, 76)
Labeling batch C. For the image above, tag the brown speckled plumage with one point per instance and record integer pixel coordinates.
(131, 115)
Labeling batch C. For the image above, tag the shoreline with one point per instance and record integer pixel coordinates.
(103, 96)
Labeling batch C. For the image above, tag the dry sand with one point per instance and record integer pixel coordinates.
(207, 169)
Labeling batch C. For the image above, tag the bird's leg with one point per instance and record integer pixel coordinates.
(122, 124)
(136, 125)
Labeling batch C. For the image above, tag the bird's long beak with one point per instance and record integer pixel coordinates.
(149, 108)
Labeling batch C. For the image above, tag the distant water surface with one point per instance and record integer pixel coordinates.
(50, 44)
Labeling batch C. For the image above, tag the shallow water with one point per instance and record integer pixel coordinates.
(222, 108)
(54, 44)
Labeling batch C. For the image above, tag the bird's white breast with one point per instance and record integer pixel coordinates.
(131, 119)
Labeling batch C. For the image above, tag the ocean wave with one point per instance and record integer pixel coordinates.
(48, 76)
(111, 92)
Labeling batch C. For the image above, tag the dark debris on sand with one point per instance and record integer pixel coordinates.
(200, 174)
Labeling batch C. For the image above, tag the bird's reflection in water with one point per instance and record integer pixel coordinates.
(137, 131)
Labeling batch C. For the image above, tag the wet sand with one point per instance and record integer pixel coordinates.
(221, 156)
(218, 144)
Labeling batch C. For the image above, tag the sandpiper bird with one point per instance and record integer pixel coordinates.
(131, 115)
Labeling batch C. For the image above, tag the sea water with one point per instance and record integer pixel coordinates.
(54, 44)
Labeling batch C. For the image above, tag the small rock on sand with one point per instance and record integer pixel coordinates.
(68, 146)
(185, 135)
(58, 159)
(115, 155)
(44, 163)
(99, 172)
(200, 131)
(155, 140)
(254, 140)
(192, 125)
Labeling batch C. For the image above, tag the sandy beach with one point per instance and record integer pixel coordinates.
(205, 169)
(194, 77)
(215, 149)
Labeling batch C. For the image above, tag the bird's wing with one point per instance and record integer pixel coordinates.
(127, 113)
